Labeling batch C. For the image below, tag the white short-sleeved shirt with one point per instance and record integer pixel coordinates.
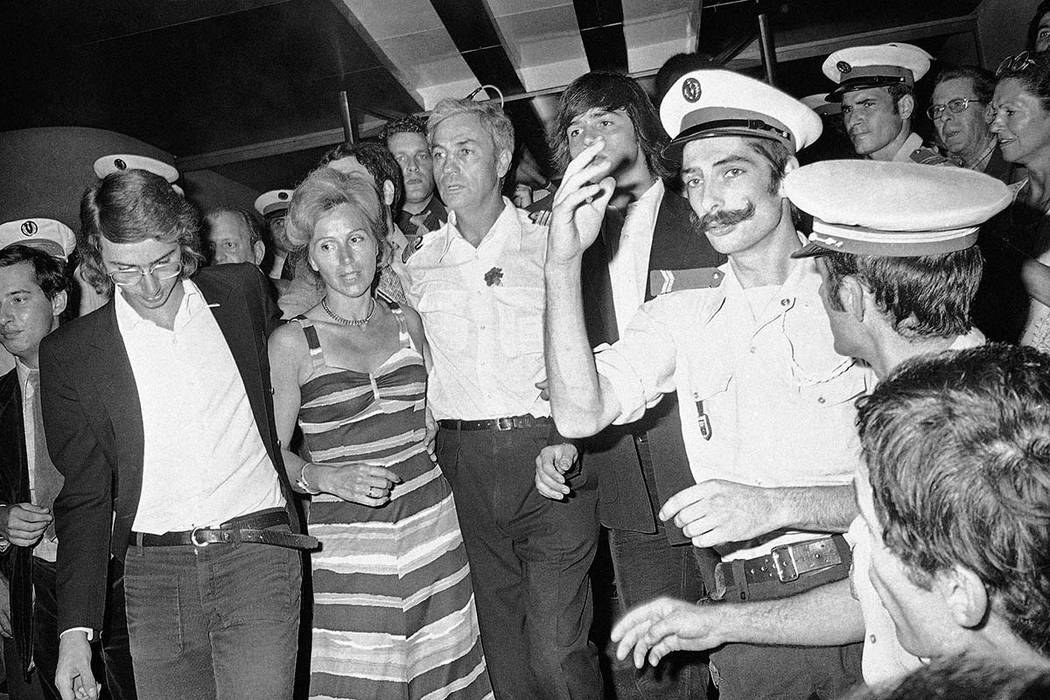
(763, 397)
(482, 311)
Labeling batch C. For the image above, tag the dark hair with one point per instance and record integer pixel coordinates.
(958, 450)
(130, 206)
(1034, 77)
(405, 125)
(1033, 24)
(925, 297)
(255, 232)
(609, 92)
(776, 153)
(380, 164)
(959, 678)
(983, 80)
(50, 272)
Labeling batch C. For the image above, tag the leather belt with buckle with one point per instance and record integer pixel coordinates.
(786, 571)
(508, 423)
(254, 529)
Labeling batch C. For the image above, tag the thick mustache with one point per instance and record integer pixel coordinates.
(721, 219)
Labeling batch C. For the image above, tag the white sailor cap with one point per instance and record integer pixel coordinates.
(860, 67)
(273, 202)
(819, 103)
(867, 207)
(707, 103)
(52, 237)
(126, 161)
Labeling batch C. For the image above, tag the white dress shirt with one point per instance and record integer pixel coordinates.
(629, 266)
(204, 460)
(47, 547)
(482, 311)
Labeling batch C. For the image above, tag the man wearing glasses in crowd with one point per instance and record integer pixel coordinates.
(960, 114)
(164, 434)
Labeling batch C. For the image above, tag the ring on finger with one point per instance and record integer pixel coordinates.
(372, 492)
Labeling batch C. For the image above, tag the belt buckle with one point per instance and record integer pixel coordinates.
(504, 424)
(193, 537)
(784, 561)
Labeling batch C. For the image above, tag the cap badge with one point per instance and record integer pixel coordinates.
(691, 90)
(121, 165)
(282, 195)
(843, 67)
(29, 228)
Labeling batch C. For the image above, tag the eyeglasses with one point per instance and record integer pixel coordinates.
(162, 271)
(1013, 64)
(954, 106)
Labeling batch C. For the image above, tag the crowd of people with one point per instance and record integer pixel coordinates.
(374, 440)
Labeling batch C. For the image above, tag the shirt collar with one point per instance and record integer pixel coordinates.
(23, 372)
(502, 223)
(127, 318)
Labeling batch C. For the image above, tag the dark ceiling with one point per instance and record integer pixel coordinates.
(218, 77)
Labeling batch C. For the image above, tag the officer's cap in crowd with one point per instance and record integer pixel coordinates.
(708, 103)
(273, 202)
(819, 103)
(52, 237)
(126, 161)
(860, 67)
(867, 207)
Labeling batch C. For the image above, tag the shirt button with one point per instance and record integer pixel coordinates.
(753, 349)
(785, 302)
(821, 399)
(871, 639)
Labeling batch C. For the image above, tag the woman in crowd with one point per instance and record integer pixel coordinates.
(1021, 105)
(394, 610)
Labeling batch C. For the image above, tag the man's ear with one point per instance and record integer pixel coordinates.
(58, 303)
(503, 163)
(259, 250)
(388, 193)
(906, 106)
(852, 295)
(792, 164)
(964, 594)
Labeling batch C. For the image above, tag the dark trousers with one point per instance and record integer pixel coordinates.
(529, 559)
(647, 566)
(219, 621)
(752, 672)
(112, 667)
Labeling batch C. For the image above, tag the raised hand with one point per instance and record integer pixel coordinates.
(579, 205)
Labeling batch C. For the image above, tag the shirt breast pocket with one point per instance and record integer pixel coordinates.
(445, 314)
(520, 313)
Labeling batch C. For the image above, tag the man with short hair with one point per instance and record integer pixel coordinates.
(955, 501)
(645, 231)
(422, 211)
(478, 285)
(158, 414)
(894, 245)
(272, 206)
(33, 287)
(876, 85)
(233, 236)
(742, 353)
(960, 112)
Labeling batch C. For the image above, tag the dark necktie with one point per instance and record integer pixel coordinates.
(47, 481)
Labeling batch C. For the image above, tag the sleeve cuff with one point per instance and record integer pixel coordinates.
(90, 632)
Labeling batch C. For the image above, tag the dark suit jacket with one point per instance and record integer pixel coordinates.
(93, 421)
(14, 488)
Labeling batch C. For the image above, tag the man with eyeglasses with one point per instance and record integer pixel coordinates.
(876, 86)
(164, 435)
(960, 114)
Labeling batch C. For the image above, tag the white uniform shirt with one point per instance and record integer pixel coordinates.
(629, 266)
(884, 658)
(777, 400)
(482, 311)
(203, 460)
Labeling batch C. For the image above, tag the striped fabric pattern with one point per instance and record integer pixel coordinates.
(394, 609)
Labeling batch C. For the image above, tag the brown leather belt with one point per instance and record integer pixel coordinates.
(508, 423)
(253, 528)
(786, 571)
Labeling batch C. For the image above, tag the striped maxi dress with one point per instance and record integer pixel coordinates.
(394, 609)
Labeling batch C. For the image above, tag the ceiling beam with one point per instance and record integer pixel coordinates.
(601, 30)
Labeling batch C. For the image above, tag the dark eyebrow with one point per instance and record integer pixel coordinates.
(733, 159)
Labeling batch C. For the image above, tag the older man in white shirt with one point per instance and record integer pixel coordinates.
(478, 284)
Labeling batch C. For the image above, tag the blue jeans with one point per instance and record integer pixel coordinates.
(219, 621)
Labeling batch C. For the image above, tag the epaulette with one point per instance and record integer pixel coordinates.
(665, 281)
